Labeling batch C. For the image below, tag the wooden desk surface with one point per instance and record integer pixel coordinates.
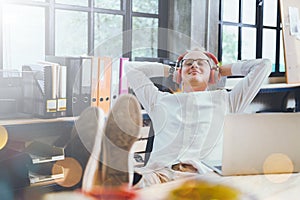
(275, 187)
(260, 187)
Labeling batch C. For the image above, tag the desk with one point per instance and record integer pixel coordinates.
(275, 88)
(260, 187)
(283, 87)
(23, 130)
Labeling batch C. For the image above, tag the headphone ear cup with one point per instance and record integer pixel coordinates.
(214, 76)
(178, 78)
(213, 57)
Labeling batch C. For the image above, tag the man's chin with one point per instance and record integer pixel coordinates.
(198, 81)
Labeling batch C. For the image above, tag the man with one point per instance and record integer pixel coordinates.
(187, 125)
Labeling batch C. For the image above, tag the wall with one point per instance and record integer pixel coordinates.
(195, 23)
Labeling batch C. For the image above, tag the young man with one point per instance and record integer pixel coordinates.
(187, 125)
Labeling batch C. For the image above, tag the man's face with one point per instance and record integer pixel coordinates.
(195, 69)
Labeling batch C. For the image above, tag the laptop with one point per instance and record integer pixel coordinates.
(260, 143)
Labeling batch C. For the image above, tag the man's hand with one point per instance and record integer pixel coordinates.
(225, 70)
(179, 59)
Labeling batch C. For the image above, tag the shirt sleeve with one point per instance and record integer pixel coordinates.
(255, 72)
(138, 77)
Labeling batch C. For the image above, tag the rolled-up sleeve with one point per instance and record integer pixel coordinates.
(255, 72)
(138, 76)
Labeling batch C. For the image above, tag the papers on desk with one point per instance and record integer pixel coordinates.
(43, 167)
(41, 152)
(45, 172)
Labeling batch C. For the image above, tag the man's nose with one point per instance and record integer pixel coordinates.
(195, 64)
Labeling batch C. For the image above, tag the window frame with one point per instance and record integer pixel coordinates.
(259, 32)
(125, 11)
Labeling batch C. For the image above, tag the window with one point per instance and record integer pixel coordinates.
(71, 33)
(73, 2)
(23, 35)
(251, 29)
(108, 4)
(144, 37)
(108, 28)
(31, 29)
(145, 6)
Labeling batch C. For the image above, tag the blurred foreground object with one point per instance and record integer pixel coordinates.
(200, 190)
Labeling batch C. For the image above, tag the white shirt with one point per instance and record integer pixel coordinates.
(188, 126)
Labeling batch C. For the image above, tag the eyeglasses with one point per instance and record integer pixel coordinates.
(200, 62)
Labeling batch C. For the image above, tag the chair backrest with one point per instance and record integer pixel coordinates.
(149, 145)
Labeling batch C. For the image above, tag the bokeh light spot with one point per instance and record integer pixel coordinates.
(278, 163)
(3, 137)
(72, 172)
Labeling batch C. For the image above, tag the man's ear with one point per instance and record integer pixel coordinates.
(178, 78)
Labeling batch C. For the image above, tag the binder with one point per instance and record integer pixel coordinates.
(104, 91)
(115, 81)
(40, 89)
(123, 84)
(95, 81)
(78, 88)
(85, 85)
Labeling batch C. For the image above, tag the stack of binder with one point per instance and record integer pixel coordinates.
(44, 89)
(78, 92)
(92, 81)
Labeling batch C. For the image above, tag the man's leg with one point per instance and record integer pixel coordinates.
(87, 127)
(163, 174)
(112, 147)
(151, 177)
